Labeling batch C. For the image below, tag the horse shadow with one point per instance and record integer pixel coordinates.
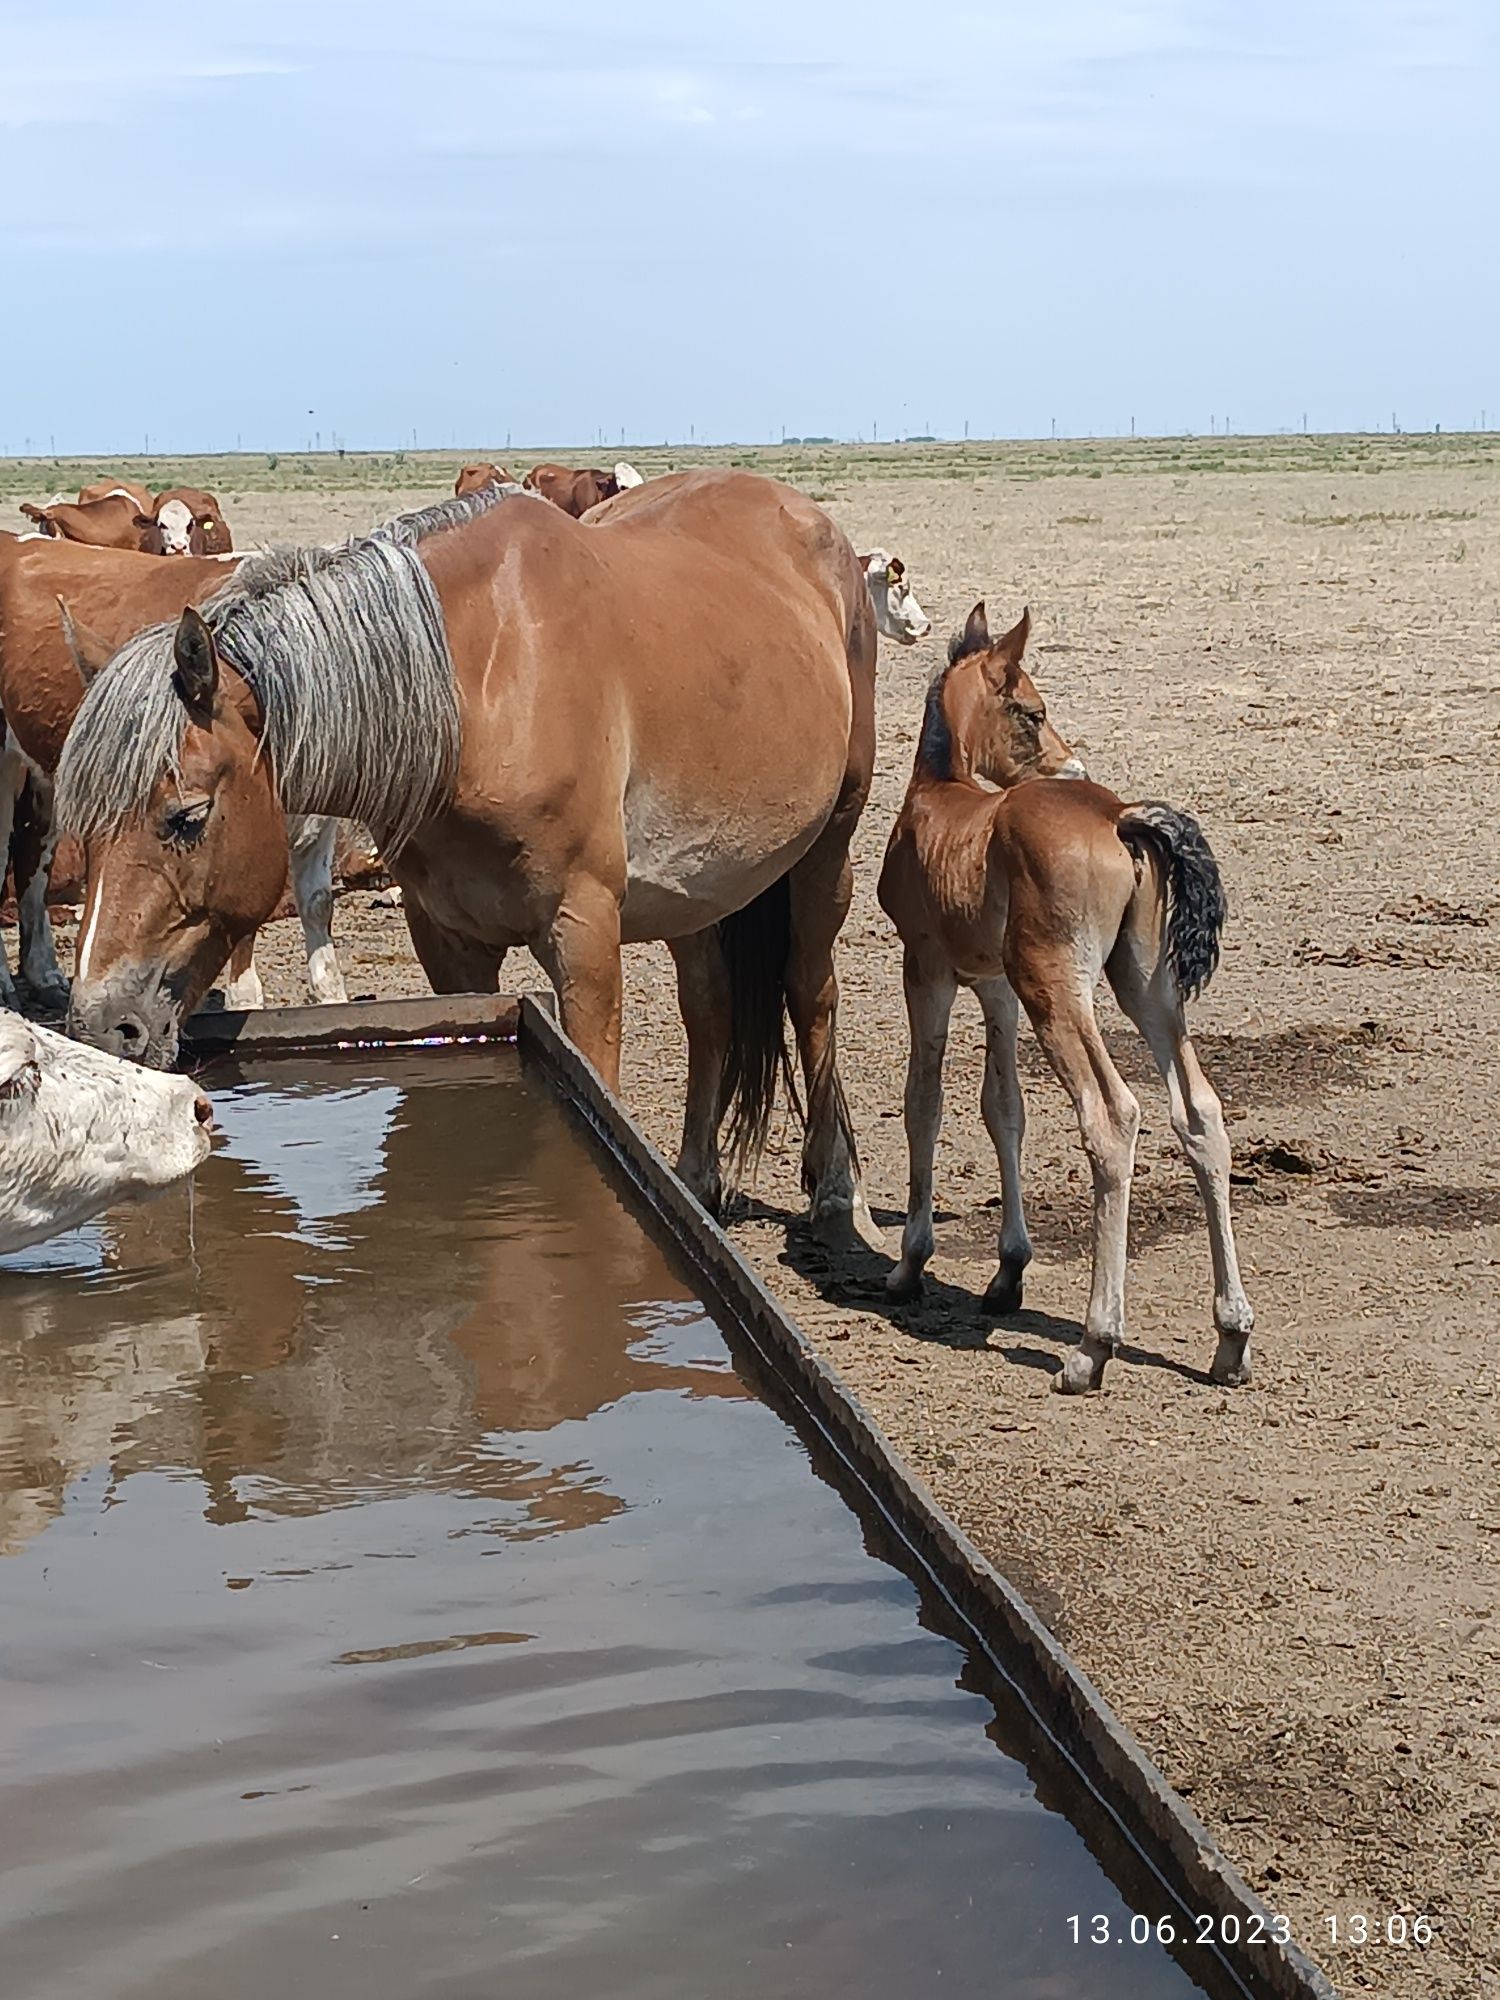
(943, 1314)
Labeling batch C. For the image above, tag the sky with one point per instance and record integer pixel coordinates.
(572, 222)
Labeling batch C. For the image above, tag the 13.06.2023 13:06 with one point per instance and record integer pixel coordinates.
(1227, 1928)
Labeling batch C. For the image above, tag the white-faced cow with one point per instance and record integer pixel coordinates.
(897, 612)
(190, 524)
(81, 1130)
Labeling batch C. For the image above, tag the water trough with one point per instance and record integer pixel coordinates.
(987, 1879)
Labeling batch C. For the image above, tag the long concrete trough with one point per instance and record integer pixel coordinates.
(1084, 1762)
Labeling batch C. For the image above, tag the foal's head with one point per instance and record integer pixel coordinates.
(985, 718)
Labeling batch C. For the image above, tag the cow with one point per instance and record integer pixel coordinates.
(63, 612)
(114, 522)
(897, 612)
(473, 478)
(81, 1130)
(190, 524)
(103, 489)
(574, 491)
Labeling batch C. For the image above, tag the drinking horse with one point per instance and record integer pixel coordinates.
(656, 725)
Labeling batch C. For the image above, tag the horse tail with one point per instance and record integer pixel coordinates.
(1195, 903)
(756, 942)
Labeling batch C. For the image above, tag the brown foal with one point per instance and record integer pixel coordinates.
(1028, 891)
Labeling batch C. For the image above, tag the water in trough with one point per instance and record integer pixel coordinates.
(402, 1596)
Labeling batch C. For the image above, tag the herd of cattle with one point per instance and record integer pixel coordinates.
(716, 816)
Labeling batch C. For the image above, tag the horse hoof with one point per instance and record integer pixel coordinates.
(1003, 1295)
(1079, 1375)
(903, 1286)
(1231, 1366)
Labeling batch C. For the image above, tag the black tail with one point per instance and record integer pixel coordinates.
(1196, 904)
(756, 941)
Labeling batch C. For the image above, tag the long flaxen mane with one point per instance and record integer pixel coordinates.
(346, 652)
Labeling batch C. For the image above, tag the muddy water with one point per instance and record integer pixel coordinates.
(401, 1595)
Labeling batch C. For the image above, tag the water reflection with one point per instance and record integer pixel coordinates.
(299, 1338)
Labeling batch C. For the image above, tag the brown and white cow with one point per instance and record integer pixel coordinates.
(474, 478)
(897, 612)
(190, 523)
(574, 490)
(113, 522)
(102, 489)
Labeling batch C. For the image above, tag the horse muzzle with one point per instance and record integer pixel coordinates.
(132, 1016)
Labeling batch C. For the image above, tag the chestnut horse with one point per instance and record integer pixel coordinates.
(64, 608)
(660, 724)
(1029, 894)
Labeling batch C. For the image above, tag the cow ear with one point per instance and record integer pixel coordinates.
(864, 563)
(196, 666)
(895, 569)
(89, 653)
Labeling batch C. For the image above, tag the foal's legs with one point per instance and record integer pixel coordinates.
(1004, 1111)
(930, 992)
(703, 996)
(312, 842)
(822, 886)
(1152, 1002)
(1057, 993)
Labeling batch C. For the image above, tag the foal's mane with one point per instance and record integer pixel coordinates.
(346, 653)
(935, 744)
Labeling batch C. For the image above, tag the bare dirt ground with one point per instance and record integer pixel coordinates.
(1288, 1592)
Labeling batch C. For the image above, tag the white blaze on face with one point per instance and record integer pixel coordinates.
(898, 615)
(80, 1130)
(176, 523)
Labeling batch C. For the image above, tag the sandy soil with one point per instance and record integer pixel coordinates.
(1288, 1592)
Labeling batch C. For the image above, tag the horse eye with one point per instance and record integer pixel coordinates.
(185, 824)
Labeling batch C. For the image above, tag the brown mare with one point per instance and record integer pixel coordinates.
(657, 725)
(1029, 893)
(64, 609)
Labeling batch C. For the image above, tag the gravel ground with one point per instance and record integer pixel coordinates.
(1287, 1592)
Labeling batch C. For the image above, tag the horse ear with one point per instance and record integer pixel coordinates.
(89, 653)
(196, 675)
(976, 638)
(1011, 649)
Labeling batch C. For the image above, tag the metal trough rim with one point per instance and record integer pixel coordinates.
(1065, 1708)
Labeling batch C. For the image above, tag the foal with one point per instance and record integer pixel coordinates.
(1028, 893)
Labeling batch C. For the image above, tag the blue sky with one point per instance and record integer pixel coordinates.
(559, 218)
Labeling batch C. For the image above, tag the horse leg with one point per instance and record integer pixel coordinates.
(452, 962)
(243, 991)
(821, 886)
(1155, 1007)
(930, 992)
(312, 846)
(12, 778)
(1057, 993)
(1004, 1110)
(703, 996)
(32, 849)
(580, 954)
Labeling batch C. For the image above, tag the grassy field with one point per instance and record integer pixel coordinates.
(826, 470)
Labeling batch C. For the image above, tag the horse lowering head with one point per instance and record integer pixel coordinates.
(183, 864)
(898, 615)
(985, 718)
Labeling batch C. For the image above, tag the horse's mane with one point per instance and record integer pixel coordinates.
(345, 651)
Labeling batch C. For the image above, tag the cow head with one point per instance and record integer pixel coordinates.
(898, 615)
(190, 524)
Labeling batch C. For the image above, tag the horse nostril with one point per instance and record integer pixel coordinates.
(130, 1032)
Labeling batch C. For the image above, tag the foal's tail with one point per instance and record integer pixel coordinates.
(756, 942)
(1196, 903)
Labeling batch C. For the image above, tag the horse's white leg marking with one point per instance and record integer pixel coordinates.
(312, 846)
(243, 991)
(930, 993)
(1004, 1110)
